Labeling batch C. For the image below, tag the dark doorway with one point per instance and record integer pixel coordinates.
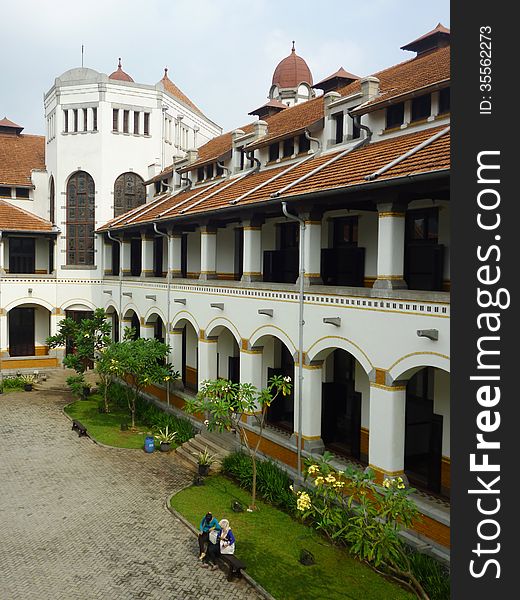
(424, 256)
(158, 330)
(21, 332)
(136, 326)
(344, 263)
(78, 316)
(184, 255)
(135, 257)
(234, 369)
(281, 266)
(116, 258)
(158, 256)
(115, 327)
(341, 408)
(21, 255)
(281, 412)
(423, 437)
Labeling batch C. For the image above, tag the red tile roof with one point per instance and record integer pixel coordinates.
(19, 155)
(120, 75)
(423, 71)
(13, 218)
(348, 170)
(172, 89)
(291, 71)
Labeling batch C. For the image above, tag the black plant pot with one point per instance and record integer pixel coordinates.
(86, 392)
(203, 470)
(28, 387)
(165, 446)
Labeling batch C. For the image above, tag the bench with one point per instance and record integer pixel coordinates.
(79, 427)
(233, 565)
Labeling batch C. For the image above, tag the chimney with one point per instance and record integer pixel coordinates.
(370, 87)
(192, 155)
(154, 169)
(330, 97)
(260, 129)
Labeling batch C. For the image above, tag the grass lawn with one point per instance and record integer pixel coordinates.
(106, 428)
(269, 542)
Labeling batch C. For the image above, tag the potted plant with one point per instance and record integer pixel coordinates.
(205, 460)
(28, 382)
(165, 437)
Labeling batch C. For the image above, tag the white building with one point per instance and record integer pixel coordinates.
(211, 264)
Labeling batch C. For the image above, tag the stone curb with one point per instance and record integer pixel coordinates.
(183, 520)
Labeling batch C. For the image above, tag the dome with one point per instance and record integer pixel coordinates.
(120, 75)
(292, 71)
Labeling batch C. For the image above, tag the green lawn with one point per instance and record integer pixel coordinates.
(269, 542)
(106, 428)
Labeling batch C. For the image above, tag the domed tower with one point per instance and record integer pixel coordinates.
(292, 80)
(120, 75)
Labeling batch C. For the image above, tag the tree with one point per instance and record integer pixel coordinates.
(88, 338)
(226, 404)
(140, 362)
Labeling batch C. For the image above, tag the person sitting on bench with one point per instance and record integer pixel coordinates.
(225, 544)
(207, 524)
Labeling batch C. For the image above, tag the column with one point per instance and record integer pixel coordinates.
(207, 368)
(252, 263)
(390, 246)
(125, 257)
(251, 369)
(387, 429)
(174, 255)
(208, 253)
(55, 255)
(57, 316)
(147, 243)
(311, 407)
(3, 333)
(147, 330)
(2, 256)
(312, 250)
(107, 257)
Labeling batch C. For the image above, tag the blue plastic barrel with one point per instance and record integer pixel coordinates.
(149, 444)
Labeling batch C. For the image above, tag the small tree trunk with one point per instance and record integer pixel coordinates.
(107, 379)
(253, 491)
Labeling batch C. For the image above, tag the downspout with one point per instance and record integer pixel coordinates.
(221, 165)
(185, 178)
(313, 139)
(300, 333)
(168, 280)
(250, 155)
(110, 237)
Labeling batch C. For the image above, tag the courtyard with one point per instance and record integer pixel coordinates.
(83, 521)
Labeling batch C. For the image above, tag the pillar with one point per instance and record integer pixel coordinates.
(125, 258)
(208, 253)
(312, 250)
(251, 369)
(146, 330)
(207, 368)
(311, 407)
(57, 316)
(252, 263)
(147, 243)
(390, 247)
(2, 256)
(3, 333)
(174, 255)
(387, 428)
(107, 257)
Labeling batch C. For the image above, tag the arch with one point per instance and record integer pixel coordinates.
(325, 345)
(129, 192)
(184, 315)
(151, 312)
(80, 218)
(126, 311)
(27, 300)
(274, 331)
(406, 366)
(215, 326)
(80, 302)
(111, 305)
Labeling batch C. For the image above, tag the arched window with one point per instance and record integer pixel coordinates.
(80, 219)
(129, 192)
(52, 203)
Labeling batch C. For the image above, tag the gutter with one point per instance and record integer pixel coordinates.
(169, 279)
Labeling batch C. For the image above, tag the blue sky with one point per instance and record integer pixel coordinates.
(221, 53)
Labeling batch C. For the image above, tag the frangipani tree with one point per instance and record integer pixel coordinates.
(227, 404)
(140, 362)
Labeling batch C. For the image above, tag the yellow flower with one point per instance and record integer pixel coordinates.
(330, 478)
(319, 480)
(314, 469)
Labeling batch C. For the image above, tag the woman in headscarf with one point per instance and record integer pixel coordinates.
(225, 544)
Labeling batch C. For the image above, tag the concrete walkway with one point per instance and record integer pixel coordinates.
(81, 521)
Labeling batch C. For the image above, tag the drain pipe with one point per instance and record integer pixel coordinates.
(300, 332)
(168, 279)
(185, 178)
(111, 237)
(313, 139)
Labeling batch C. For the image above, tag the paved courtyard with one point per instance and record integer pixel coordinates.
(81, 521)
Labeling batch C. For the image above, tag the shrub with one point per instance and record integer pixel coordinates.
(433, 577)
(11, 384)
(273, 483)
(76, 384)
